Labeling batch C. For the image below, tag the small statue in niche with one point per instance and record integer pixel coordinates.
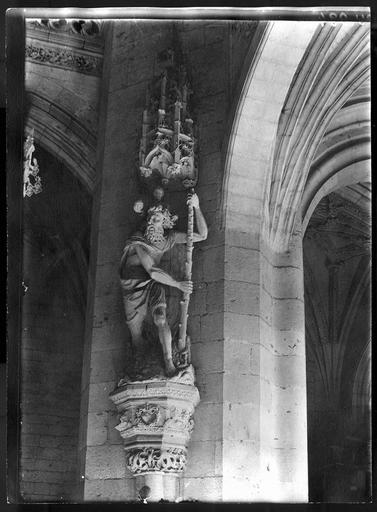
(143, 281)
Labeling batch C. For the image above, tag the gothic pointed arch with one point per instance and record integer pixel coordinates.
(320, 87)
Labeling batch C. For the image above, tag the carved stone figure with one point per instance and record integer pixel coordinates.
(143, 281)
(32, 182)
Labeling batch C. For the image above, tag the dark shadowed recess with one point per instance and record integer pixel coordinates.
(55, 270)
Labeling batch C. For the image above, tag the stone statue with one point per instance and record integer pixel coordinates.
(143, 281)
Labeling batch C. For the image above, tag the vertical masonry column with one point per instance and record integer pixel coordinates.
(264, 407)
(204, 47)
(282, 368)
(129, 59)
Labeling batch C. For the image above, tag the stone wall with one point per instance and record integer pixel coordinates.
(262, 315)
(62, 99)
(130, 59)
(213, 65)
(52, 333)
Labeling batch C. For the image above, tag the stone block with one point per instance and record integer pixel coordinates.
(288, 314)
(56, 453)
(106, 365)
(97, 428)
(113, 489)
(194, 328)
(210, 387)
(49, 441)
(241, 327)
(35, 428)
(127, 74)
(111, 246)
(215, 296)
(41, 498)
(26, 489)
(198, 304)
(113, 435)
(238, 353)
(113, 335)
(241, 421)
(41, 488)
(290, 370)
(287, 283)
(105, 462)
(106, 307)
(99, 396)
(203, 489)
(244, 222)
(242, 264)
(60, 429)
(241, 298)
(245, 239)
(207, 356)
(242, 488)
(31, 452)
(200, 459)
(213, 263)
(208, 422)
(29, 439)
(240, 388)
(240, 457)
(248, 203)
(212, 326)
(289, 343)
(211, 169)
(266, 312)
(241, 167)
(52, 465)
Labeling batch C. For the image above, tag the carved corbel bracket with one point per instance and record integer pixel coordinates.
(156, 422)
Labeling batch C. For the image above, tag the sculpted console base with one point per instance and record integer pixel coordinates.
(156, 421)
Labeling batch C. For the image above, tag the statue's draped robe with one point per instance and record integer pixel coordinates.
(141, 294)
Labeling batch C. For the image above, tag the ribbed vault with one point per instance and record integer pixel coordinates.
(58, 131)
(334, 66)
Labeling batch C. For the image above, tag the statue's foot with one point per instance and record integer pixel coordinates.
(170, 369)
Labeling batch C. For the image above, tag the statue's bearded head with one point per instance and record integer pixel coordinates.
(158, 220)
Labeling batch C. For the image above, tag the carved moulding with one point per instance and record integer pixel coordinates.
(68, 59)
(156, 422)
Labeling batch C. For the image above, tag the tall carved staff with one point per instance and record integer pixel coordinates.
(188, 269)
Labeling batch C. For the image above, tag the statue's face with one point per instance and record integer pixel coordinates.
(155, 230)
(156, 220)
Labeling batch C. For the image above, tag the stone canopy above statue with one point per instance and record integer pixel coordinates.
(167, 149)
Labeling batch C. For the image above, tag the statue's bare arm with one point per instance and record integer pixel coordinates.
(159, 275)
(181, 238)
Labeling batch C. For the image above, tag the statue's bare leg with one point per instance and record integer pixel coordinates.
(164, 334)
(138, 341)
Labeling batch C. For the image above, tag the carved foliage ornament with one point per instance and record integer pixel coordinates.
(85, 28)
(147, 460)
(32, 182)
(155, 417)
(64, 58)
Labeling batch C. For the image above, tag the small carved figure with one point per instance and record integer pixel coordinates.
(143, 281)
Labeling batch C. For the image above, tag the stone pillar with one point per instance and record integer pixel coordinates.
(127, 74)
(155, 423)
(282, 367)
